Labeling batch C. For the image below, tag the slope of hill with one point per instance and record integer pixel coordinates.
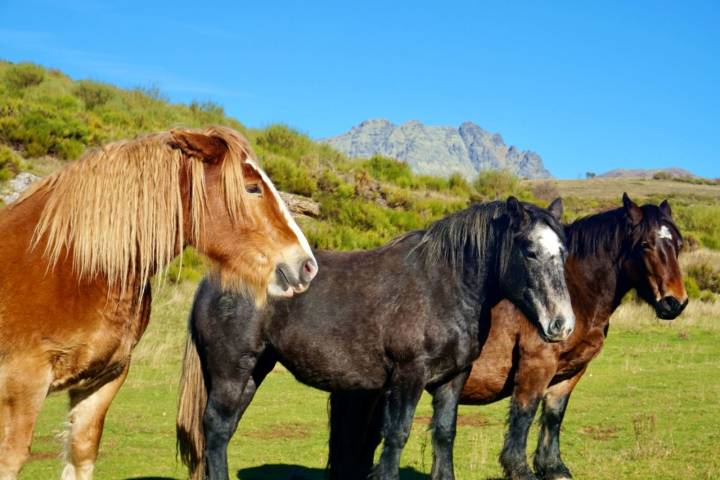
(438, 150)
(47, 118)
(647, 173)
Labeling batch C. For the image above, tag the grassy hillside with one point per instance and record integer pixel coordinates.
(47, 119)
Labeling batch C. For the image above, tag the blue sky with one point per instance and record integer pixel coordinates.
(590, 86)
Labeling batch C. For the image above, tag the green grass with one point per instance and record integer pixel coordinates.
(646, 409)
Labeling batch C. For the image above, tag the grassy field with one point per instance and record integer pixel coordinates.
(646, 409)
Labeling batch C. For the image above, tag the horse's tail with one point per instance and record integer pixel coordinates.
(191, 407)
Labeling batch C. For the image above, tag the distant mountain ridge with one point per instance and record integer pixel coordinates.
(439, 150)
(646, 172)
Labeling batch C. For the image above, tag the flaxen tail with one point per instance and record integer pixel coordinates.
(191, 407)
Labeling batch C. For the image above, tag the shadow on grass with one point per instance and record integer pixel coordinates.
(150, 478)
(297, 472)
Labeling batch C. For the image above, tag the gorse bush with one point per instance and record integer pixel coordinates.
(498, 184)
(23, 75)
(9, 163)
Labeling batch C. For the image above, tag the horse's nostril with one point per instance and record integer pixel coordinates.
(671, 304)
(557, 325)
(309, 269)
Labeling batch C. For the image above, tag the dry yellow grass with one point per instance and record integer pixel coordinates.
(613, 188)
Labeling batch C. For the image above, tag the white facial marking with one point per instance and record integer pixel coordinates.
(548, 240)
(283, 208)
(664, 232)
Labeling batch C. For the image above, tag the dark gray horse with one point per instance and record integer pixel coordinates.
(389, 322)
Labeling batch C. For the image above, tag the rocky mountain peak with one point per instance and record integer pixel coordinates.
(439, 150)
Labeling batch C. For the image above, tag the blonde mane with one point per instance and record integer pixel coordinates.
(119, 208)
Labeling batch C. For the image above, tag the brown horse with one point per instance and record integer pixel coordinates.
(609, 254)
(77, 253)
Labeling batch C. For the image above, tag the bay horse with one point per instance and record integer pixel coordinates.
(610, 253)
(77, 252)
(388, 322)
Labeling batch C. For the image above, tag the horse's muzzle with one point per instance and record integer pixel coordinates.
(668, 308)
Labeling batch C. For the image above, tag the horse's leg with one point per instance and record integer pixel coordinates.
(232, 391)
(445, 406)
(547, 461)
(87, 417)
(402, 398)
(355, 433)
(533, 376)
(23, 388)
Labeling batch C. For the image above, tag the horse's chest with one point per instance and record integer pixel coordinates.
(574, 360)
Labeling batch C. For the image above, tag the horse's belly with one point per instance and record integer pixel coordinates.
(332, 365)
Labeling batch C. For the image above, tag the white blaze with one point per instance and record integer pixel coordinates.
(548, 241)
(664, 232)
(283, 208)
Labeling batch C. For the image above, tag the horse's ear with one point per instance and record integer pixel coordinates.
(207, 148)
(634, 213)
(556, 209)
(517, 213)
(665, 208)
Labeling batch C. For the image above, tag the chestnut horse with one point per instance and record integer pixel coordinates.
(387, 322)
(609, 254)
(77, 252)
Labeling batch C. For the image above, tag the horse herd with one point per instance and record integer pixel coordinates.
(500, 299)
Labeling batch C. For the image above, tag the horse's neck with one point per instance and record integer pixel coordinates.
(596, 286)
(20, 219)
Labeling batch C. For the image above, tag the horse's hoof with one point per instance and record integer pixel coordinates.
(557, 472)
(521, 474)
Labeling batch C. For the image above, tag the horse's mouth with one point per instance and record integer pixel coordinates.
(288, 287)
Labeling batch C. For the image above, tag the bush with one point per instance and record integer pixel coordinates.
(288, 176)
(281, 139)
(706, 277)
(23, 75)
(389, 170)
(44, 128)
(692, 288)
(93, 94)
(700, 221)
(499, 184)
(545, 190)
(9, 163)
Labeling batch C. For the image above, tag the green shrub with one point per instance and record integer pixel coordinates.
(458, 184)
(189, 266)
(9, 163)
(93, 94)
(389, 170)
(692, 288)
(708, 297)
(281, 139)
(701, 221)
(705, 276)
(499, 184)
(23, 75)
(288, 176)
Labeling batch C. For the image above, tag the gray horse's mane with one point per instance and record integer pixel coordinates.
(461, 239)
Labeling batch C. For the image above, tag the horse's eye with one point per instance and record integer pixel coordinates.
(645, 245)
(253, 189)
(532, 255)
